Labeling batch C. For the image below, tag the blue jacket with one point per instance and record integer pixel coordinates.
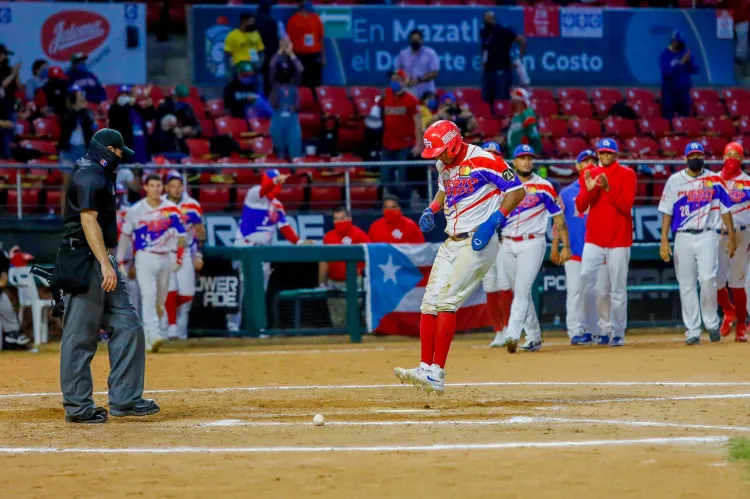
(89, 83)
(675, 77)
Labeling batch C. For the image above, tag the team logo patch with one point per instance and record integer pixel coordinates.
(427, 143)
(739, 186)
(448, 136)
(709, 183)
(508, 174)
(531, 190)
(103, 162)
(464, 171)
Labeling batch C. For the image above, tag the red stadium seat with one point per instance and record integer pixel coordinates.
(261, 146)
(214, 198)
(620, 127)
(544, 107)
(541, 94)
(501, 108)
(198, 148)
(553, 127)
(548, 147)
(29, 201)
(691, 127)
(52, 200)
(714, 146)
(636, 94)
(364, 197)
(481, 109)
(657, 126)
(342, 109)
(234, 127)
(47, 127)
(292, 196)
(722, 127)
(569, 147)
(363, 106)
(239, 199)
(731, 94)
(335, 93)
(673, 146)
(659, 180)
(468, 95)
(310, 123)
(607, 94)
(207, 128)
(488, 128)
(644, 147)
(704, 94)
(352, 136)
(215, 108)
(602, 107)
(578, 94)
(307, 101)
(260, 126)
(103, 109)
(243, 176)
(709, 109)
(111, 91)
(368, 93)
(579, 109)
(27, 131)
(325, 197)
(743, 126)
(45, 147)
(744, 141)
(586, 127)
(646, 109)
(738, 108)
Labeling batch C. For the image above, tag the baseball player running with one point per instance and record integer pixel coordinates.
(154, 227)
(182, 282)
(262, 214)
(691, 203)
(523, 247)
(607, 194)
(470, 182)
(733, 270)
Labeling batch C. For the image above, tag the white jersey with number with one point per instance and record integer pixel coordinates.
(261, 217)
(739, 193)
(532, 213)
(192, 216)
(155, 230)
(695, 203)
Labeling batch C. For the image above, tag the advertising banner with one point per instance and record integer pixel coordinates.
(217, 293)
(362, 43)
(112, 34)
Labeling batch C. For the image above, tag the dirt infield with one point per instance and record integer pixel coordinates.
(648, 420)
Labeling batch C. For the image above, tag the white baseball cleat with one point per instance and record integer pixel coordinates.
(172, 333)
(154, 346)
(408, 375)
(499, 341)
(430, 380)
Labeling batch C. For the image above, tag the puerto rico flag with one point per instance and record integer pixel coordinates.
(396, 278)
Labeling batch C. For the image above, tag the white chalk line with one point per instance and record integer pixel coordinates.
(378, 448)
(628, 341)
(316, 351)
(398, 385)
(661, 399)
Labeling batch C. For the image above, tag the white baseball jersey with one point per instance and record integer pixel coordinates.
(128, 255)
(260, 219)
(155, 230)
(739, 193)
(191, 215)
(695, 203)
(532, 213)
(473, 185)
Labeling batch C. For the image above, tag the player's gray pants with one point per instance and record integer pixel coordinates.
(85, 315)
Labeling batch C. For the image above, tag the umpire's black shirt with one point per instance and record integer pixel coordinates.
(92, 187)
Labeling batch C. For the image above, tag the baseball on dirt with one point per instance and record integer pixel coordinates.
(319, 420)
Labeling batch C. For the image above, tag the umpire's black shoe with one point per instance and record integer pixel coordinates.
(97, 416)
(145, 407)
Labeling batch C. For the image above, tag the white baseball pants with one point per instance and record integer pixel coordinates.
(616, 268)
(456, 273)
(152, 272)
(496, 279)
(696, 262)
(522, 261)
(183, 281)
(574, 318)
(734, 270)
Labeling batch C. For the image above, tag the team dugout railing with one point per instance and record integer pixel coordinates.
(348, 176)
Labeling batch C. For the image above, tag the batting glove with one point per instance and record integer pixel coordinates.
(427, 220)
(486, 231)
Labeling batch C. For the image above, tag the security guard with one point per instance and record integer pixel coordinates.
(96, 292)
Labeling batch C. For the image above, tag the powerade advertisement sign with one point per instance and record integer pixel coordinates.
(576, 46)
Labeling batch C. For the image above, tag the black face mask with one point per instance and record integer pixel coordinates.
(695, 164)
(680, 46)
(249, 27)
(106, 158)
(415, 45)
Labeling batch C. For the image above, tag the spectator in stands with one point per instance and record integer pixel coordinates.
(129, 118)
(286, 75)
(56, 91)
(243, 97)
(677, 66)
(79, 74)
(497, 63)
(460, 115)
(524, 127)
(244, 44)
(271, 32)
(77, 126)
(420, 63)
(39, 73)
(402, 131)
(306, 32)
(9, 84)
(167, 140)
(179, 104)
(394, 227)
(427, 109)
(333, 274)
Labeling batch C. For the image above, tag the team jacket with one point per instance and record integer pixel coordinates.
(473, 185)
(155, 230)
(261, 217)
(695, 203)
(575, 220)
(533, 212)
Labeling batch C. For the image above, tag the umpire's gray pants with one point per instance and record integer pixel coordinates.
(85, 315)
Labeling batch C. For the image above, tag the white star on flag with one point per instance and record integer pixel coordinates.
(389, 270)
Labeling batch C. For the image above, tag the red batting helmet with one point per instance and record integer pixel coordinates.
(736, 147)
(442, 136)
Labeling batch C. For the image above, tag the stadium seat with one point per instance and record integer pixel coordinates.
(292, 196)
(586, 127)
(579, 109)
(541, 94)
(657, 126)
(111, 91)
(27, 132)
(45, 147)
(337, 94)
(243, 176)
(239, 198)
(481, 109)
(553, 127)
(215, 108)
(29, 200)
(198, 148)
(620, 127)
(342, 109)
(260, 126)
(714, 146)
(351, 137)
(363, 106)
(548, 147)
(310, 123)
(501, 108)
(578, 94)
(468, 95)
(646, 109)
(704, 94)
(636, 94)
(722, 127)
(368, 93)
(47, 127)
(234, 127)
(731, 94)
(673, 146)
(52, 199)
(607, 94)
(738, 108)
(488, 128)
(103, 109)
(207, 128)
(261, 146)
(643, 147)
(691, 127)
(709, 109)
(743, 126)
(569, 147)
(214, 198)
(325, 197)
(364, 196)
(744, 141)
(544, 107)
(307, 101)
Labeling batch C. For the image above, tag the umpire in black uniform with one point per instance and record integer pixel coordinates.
(96, 294)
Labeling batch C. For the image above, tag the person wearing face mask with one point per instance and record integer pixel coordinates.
(394, 227)
(286, 75)
(244, 44)
(77, 126)
(693, 202)
(332, 275)
(98, 296)
(9, 84)
(733, 270)
(56, 90)
(428, 106)
(307, 34)
(39, 73)
(677, 68)
(243, 96)
(420, 63)
(497, 63)
(460, 115)
(79, 74)
(130, 119)
(179, 104)
(524, 125)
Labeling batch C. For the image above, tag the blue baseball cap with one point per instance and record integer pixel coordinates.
(448, 95)
(492, 147)
(523, 150)
(677, 36)
(174, 174)
(584, 155)
(694, 147)
(272, 173)
(607, 145)
(123, 89)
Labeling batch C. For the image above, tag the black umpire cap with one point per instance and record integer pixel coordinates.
(109, 137)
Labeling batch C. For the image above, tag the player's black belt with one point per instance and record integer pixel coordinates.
(460, 237)
(694, 231)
